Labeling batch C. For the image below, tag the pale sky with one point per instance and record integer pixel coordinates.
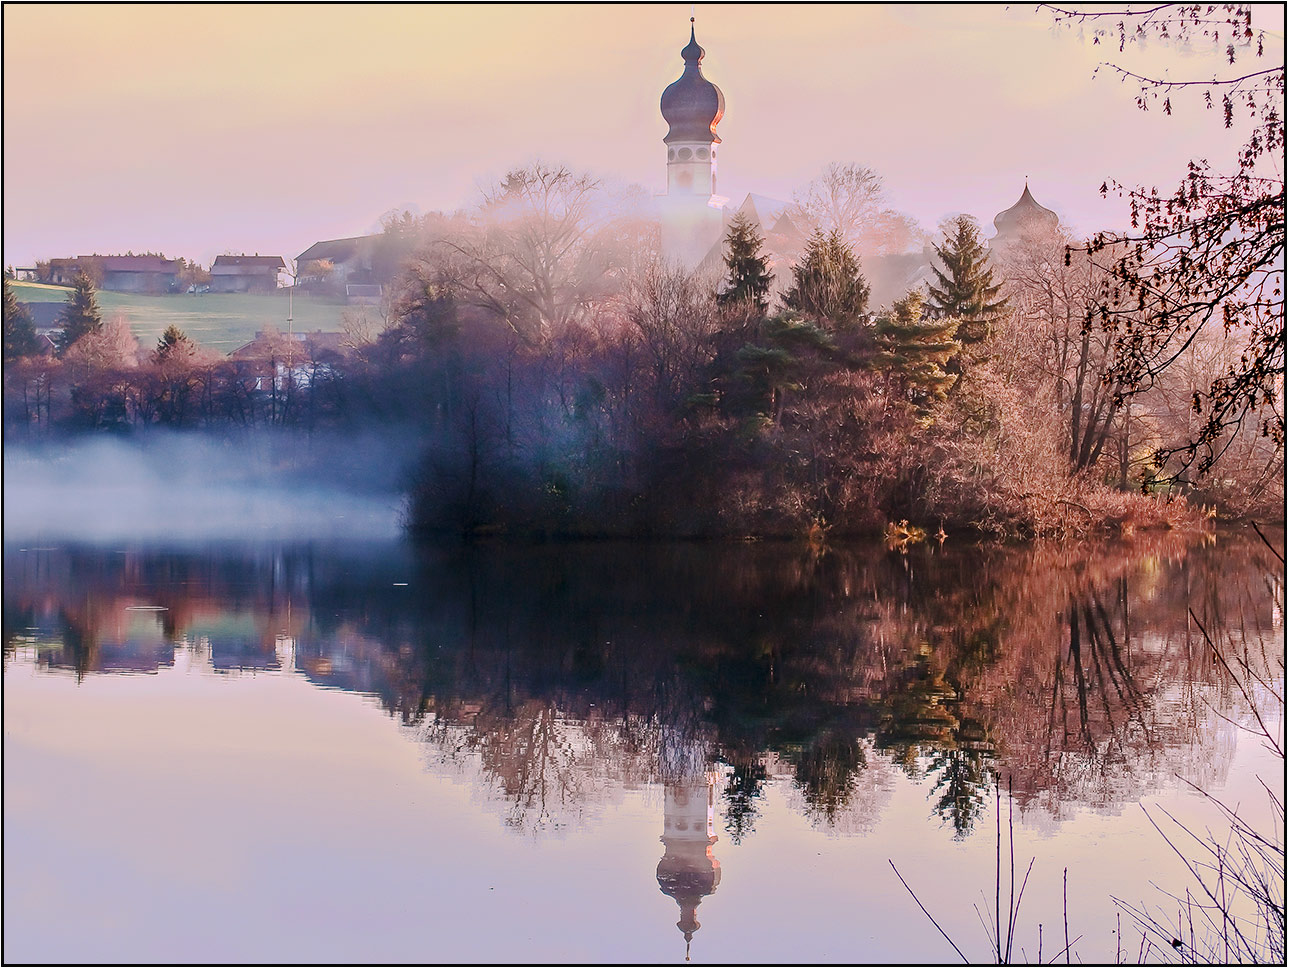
(202, 129)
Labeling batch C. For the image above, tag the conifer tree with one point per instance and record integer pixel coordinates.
(749, 276)
(81, 315)
(19, 332)
(827, 285)
(174, 344)
(914, 349)
(769, 367)
(966, 289)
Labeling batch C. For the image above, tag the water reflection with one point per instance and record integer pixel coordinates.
(559, 677)
(688, 872)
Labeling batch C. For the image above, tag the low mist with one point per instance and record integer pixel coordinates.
(183, 487)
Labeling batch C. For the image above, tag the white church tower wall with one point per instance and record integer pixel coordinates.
(691, 213)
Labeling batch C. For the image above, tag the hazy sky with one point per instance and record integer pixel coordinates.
(196, 130)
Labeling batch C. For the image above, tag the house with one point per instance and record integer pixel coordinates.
(784, 241)
(245, 274)
(295, 357)
(122, 274)
(335, 263)
(44, 316)
(47, 321)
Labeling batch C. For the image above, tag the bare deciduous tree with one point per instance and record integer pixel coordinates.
(675, 316)
(1051, 295)
(538, 253)
(851, 199)
(1210, 254)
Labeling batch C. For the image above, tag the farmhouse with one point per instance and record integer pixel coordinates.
(299, 358)
(334, 263)
(245, 274)
(122, 274)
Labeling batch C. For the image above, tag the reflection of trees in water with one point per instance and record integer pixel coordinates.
(962, 779)
(566, 674)
(744, 784)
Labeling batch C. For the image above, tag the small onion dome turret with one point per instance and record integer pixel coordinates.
(692, 105)
(1025, 213)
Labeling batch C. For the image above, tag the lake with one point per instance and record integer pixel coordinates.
(377, 752)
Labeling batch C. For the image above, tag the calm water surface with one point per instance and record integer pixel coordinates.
(374, 753)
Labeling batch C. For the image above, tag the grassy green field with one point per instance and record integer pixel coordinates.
(220, 321)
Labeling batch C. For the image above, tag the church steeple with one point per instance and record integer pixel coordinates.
(692, 107)
(1026, 216)
(691, 104)
(691, 52)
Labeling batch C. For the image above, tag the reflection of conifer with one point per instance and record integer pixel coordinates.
(80, 643)
(963, 780)
(742, 790)
(827, 771)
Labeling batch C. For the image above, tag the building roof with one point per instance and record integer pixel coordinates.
(44, 316)
(337, 250)
(1024, 213)
(121, 264)
(692, 105)
(230, 265)
(273, 342)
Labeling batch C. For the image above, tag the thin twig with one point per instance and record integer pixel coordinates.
(1065, 910)
(1277, 554)
(1253, 708)
(925, 912)
(1064, 952)
(1011, 847)
(998, 868)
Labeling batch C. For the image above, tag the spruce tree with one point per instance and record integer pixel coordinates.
(81, 314)
(749, 277)
(827, 285)
(19, 332)
(173, 345)
(770, 366)
(966, 289)
(915, 349)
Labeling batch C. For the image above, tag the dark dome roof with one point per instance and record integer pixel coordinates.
(1025, 212)
(692, 105)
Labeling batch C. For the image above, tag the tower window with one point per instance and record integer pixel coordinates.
(685, 154)
(671, 154)
(702, 153)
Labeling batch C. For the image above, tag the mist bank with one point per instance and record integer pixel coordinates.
(191, 486)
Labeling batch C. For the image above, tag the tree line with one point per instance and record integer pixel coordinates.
(554, 374)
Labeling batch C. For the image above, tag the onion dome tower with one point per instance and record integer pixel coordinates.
(687, 871)
(692, 106)
(1024, 218)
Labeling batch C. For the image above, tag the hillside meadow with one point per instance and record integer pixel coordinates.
(219, 321)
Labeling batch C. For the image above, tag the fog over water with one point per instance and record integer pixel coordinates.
(181, 487)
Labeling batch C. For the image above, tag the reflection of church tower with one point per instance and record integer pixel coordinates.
(687, 871)
(691, 210)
